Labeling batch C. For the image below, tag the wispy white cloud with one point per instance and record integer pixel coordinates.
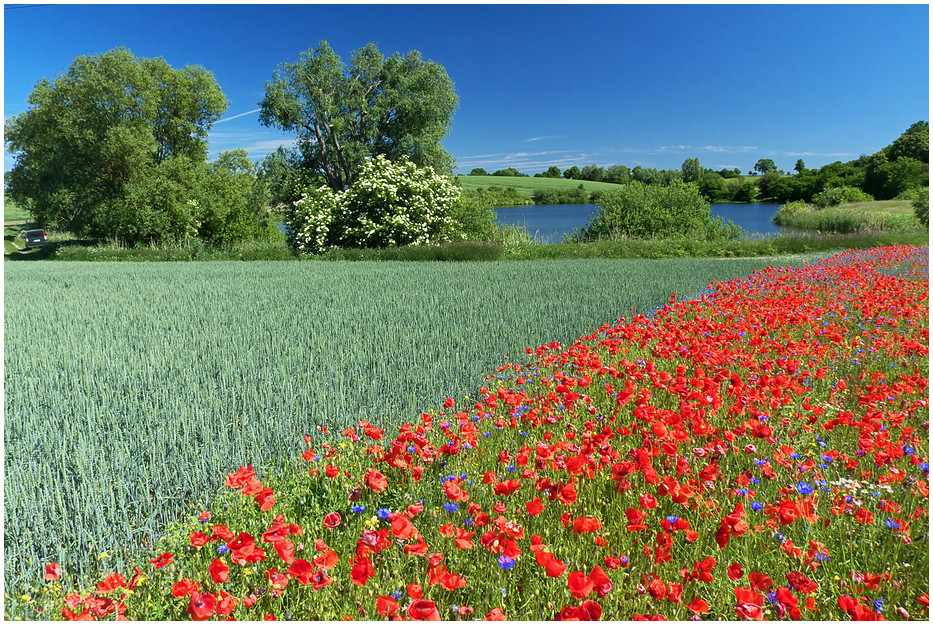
(542, 138)
(817, 154)
(528, 162)
(226, 119)
(728, 149)
(258, 144)
(673, 148)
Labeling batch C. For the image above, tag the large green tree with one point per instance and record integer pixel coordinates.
(343, 114)
(104, 139)
(765, 166)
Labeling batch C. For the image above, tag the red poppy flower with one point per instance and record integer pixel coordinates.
(52, 571)
(326, 560)
(221, 532)
(226, 604)
(601, 581)
(534, 506)
(242, 476)
(361, 569)
(220, 572)
(386, 606)
(111, 583)
(735, 571)
(647, 502)
(579, 584)
(698, 606)
(507, 488)
(414, 591)
(760, 581)
(462, 538)
(266, 499)
(657, 588)
(585, 524)
(423, 610)
(163, 560)
(402, 527)
(137, 575)
(198, 539)
(201, 606)
(286, 550)
(495, 615)
(184, 587)
(376, 480)
(332, 520)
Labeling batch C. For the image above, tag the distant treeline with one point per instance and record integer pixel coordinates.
(899, 170)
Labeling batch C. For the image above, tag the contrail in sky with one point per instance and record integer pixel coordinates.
(226, 119)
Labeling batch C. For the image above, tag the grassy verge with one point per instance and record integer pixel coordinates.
(527, 186)
(514, 244)
(879, 216)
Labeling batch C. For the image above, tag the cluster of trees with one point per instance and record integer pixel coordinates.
(116, 147)
(899, 170)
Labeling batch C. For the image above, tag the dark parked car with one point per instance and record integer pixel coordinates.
(34, 238)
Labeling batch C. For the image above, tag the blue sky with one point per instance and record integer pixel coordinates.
(543, 85)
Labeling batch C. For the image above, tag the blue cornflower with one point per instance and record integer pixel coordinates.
(827, 458)
(756, 506)
(742, 491)
(672, 519)
(754, 480)
(383, 513)
(397, 594)
(450, 506)
(879, 605)
(804, 489)
(511, 467)
(359, 509)
(909, 451)
(222, 549)
(925, 467)
(506, 563)
(468, 522)
(820, 442)
(411, 449)
(891, 524)
(486, 434)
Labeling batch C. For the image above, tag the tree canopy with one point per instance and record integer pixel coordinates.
(343, 114)
(108, 148)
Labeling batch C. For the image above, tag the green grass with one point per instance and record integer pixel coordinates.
(13, 212)
(131, 388)
(527, 186)
(878, 216)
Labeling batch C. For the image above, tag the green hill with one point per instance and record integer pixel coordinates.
(527, 186)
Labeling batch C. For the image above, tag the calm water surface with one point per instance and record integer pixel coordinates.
(550, 223)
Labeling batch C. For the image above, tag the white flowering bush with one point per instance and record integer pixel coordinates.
(391, 203)
(310, 218)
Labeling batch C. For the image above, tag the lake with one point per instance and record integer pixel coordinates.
(550, 222)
